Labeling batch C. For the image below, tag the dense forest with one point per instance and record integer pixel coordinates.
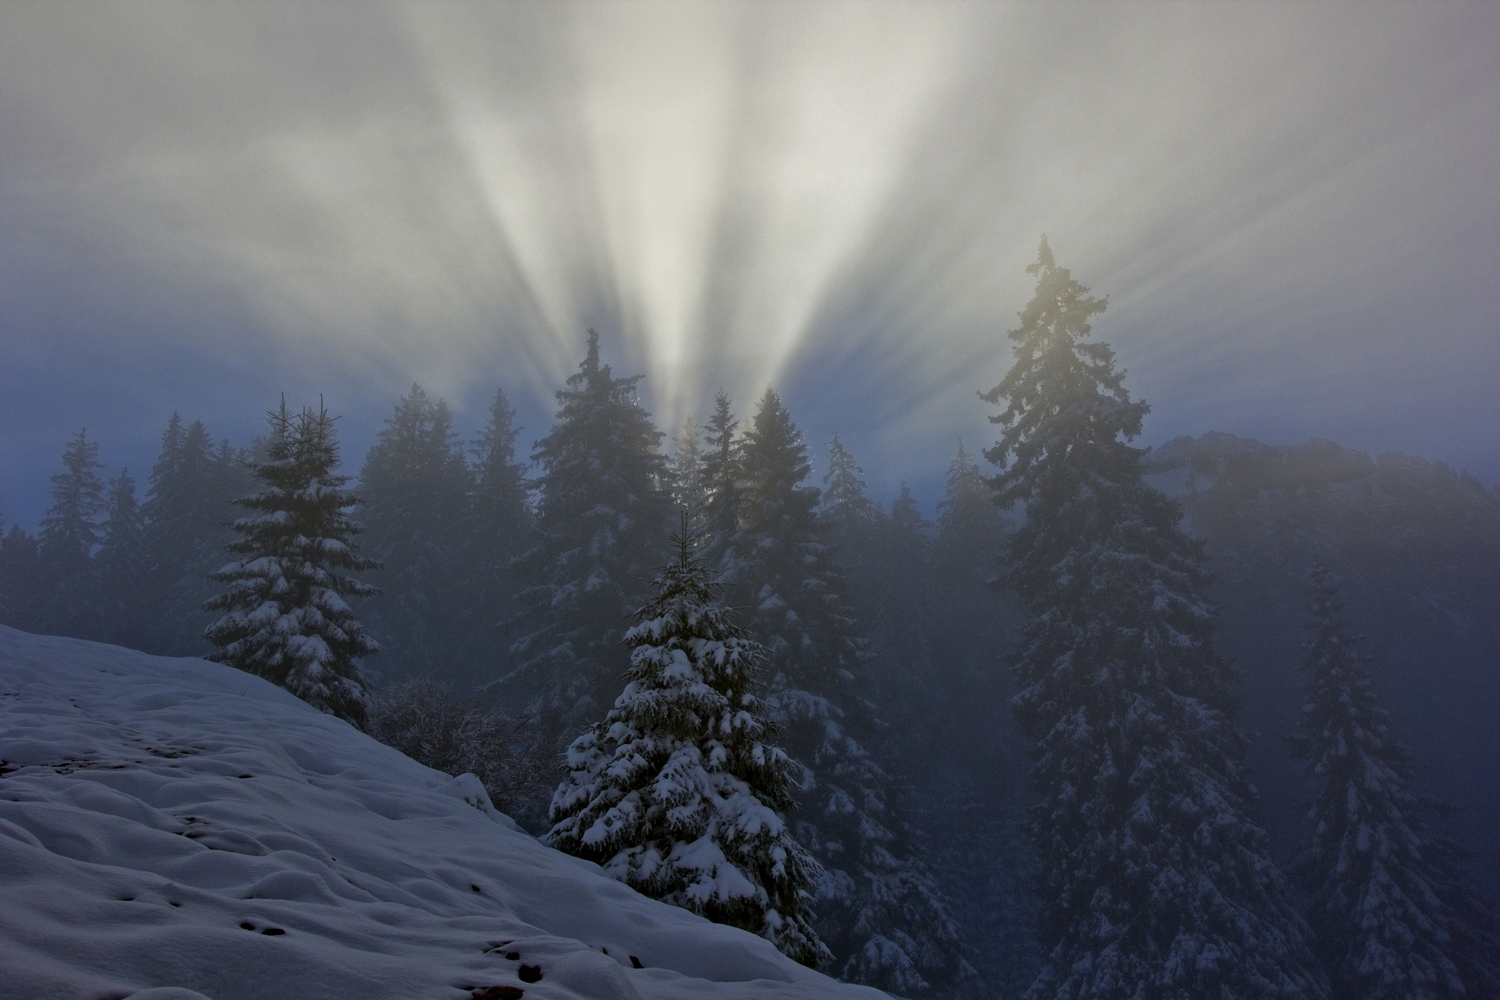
(947, 723)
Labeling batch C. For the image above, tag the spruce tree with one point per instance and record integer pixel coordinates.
(67, 602)
(688, 487)
(677, 791)
(879, 910)
(1156, 881)
(184, 510)
(1381, 926)
(19, 567)
(971, 527)
(122, 566)
(499, 531)
(720, 488)
(415, 486)
(285, 617)
(844, 503)
(602, 522)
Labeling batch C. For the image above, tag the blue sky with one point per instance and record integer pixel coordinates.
(1293, 209)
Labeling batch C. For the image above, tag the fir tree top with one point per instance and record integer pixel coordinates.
(1067, 412)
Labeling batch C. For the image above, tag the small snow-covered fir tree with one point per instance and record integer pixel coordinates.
(1381, 925)
(677, 792)
(1156, 881)
(285, 617)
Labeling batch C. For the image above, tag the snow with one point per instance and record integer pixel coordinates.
(178, 829)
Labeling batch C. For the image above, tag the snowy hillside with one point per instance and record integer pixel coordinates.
(177, 823)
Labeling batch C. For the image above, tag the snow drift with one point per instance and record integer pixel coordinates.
(177, 828)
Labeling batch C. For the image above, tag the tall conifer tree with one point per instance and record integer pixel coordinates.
(122, 566)
(1157, 883)
(1382, 928)
(499, 531)
(879, 910)
(720, 489)
(18, 577)
(415, 488)
(677, 791)
(67, 603)
(602, 523)
(845, 505)
(284, 614)
(688, 488)
(185, 510)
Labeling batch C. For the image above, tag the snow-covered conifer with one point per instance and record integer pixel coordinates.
(677, 792)
(602, 521)
(1156, 881)
(1380, 923)
(285, 617)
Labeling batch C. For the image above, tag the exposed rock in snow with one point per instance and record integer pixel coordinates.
(174, 829)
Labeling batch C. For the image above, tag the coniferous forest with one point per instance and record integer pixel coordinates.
(1199, 721)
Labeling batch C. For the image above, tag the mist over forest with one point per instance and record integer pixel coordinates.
(608, 500)
(491, 596)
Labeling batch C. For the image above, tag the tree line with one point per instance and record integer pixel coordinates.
(806, 673)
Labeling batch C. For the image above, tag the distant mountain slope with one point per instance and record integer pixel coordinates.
(1418, 548)
(177, 823)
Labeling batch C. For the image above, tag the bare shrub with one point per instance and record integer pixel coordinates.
(509, 754)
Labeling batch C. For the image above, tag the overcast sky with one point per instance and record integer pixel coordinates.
(1293, 208)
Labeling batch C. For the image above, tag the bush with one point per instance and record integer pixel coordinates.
(509, 754)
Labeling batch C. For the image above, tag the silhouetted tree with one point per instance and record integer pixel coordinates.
(67, 602)
(602, 525)
(879, 910)
(121, 566)
(415, 488)
(1156, 881)
(1381, 927)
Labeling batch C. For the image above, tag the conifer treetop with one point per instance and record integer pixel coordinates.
(1062, 393)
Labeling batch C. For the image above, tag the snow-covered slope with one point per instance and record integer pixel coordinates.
(177, 823)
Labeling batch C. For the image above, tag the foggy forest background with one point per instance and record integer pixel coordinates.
(500, 643)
